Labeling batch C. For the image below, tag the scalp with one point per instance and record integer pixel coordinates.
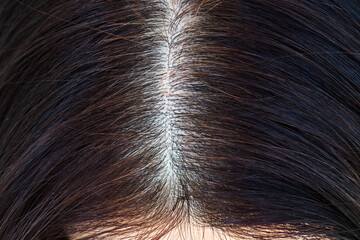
(135, 117)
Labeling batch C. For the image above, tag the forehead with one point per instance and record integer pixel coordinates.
(187, 231)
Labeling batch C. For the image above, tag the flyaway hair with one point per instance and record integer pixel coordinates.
(128, 118)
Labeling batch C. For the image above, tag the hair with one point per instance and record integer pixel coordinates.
(127, 118)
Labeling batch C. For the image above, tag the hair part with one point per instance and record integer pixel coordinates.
(131, 118)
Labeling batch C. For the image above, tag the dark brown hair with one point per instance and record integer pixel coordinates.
(131, 116)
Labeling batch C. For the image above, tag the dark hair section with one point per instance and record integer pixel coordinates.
(131, 116)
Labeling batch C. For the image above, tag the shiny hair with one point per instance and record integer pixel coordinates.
(133, 116)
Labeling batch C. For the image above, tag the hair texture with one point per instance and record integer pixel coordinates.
(128, 118)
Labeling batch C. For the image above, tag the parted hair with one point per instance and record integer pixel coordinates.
(133, 116)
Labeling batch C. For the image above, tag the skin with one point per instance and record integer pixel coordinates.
(185, 232)
(190, 233)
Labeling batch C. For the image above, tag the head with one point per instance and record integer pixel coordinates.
(144, 119)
